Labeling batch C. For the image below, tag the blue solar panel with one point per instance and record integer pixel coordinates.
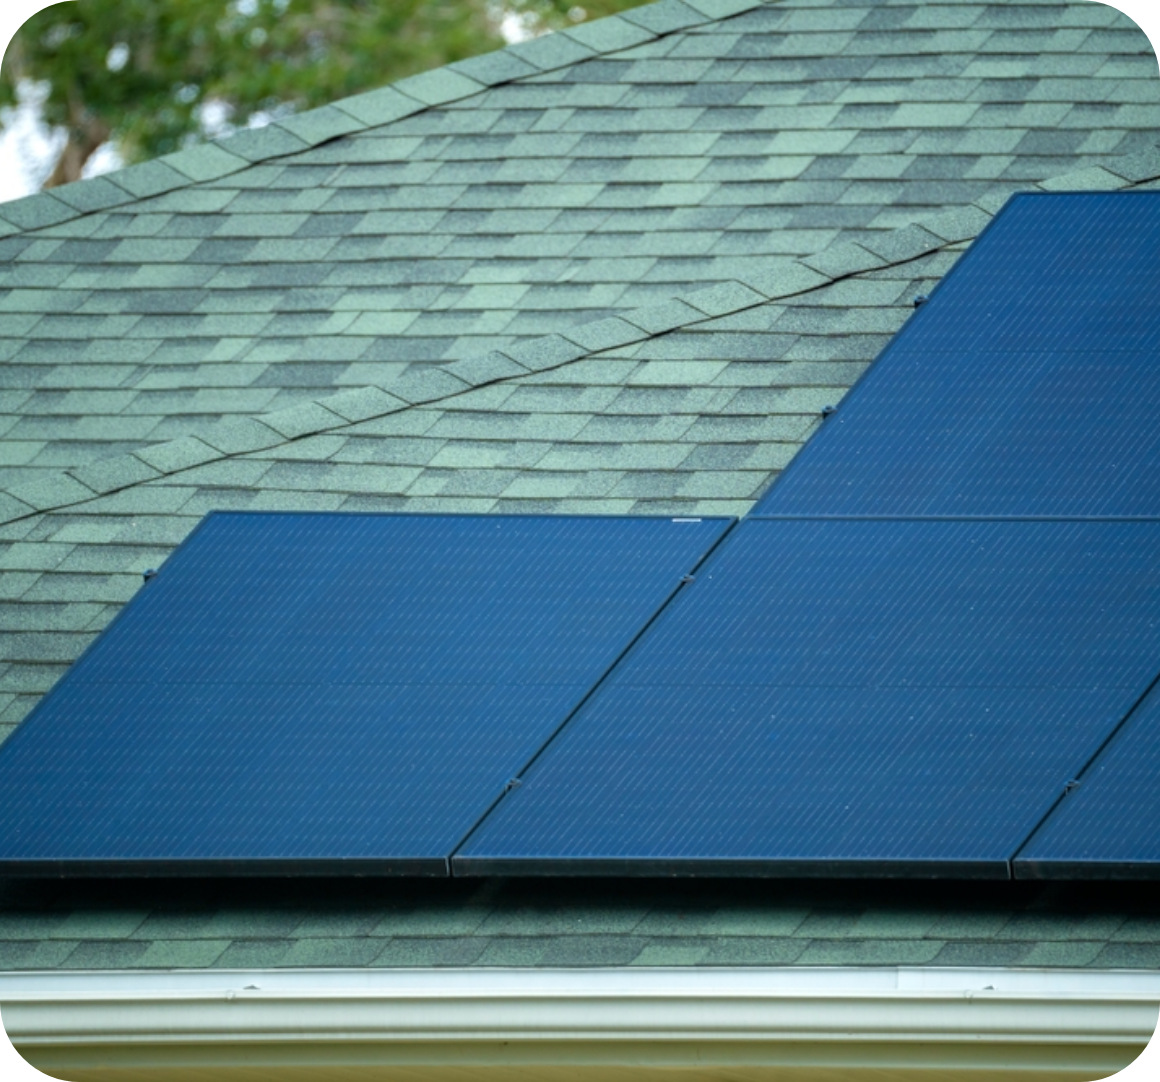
(849, 697)
(324, 693)
(1027, 385)
(1109, 825)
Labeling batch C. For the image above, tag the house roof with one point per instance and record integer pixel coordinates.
(619, 270)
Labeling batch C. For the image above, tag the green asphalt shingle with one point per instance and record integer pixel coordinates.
(614, 271)
(147, 924)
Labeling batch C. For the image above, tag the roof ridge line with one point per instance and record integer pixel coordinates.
(422, 385)
(217, 158)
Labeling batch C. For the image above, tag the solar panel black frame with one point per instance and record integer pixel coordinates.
(610, 593)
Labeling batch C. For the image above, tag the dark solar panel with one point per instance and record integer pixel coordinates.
(848, 697)
(1027, 385)
(1108, 826)
(323, 693)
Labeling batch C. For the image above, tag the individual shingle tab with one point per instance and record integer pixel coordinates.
(486, 368)
(51, 490)
(724, 298)
(1139, 167)
(605, 35)
(491, 69)
(666, 16)
(786, 279)
(319, 125)
(379, 106)
(302, 420)
(902, 244)
(110, 474)
(359, 404)
(208, 161)
(177, 455)
(438, 87)
(550, 51)
(97, 193)
(149, 179)
(36, 211)
(258, 144)
(604, 334)
(541, 353)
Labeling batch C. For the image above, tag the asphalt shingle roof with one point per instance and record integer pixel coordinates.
(615, 271)
(664, 150)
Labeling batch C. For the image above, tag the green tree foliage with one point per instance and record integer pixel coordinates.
(141, 72)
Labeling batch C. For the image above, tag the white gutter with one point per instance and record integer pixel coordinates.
(944, 1016)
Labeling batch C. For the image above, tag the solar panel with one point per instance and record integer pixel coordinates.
(847, 697)
(1107, 825)
(328, 693)
(1027, 385)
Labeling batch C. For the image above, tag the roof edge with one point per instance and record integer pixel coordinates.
(430, 89)
(421, 385)
(865, 1017)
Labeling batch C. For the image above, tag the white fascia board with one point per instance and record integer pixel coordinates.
(903, 1005)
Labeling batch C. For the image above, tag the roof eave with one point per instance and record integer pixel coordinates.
(857, 1019)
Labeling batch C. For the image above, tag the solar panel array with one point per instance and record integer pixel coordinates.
(848, 697)
(932, 649)
(906, 660)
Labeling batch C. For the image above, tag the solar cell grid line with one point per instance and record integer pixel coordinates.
(328, 693)
(849, 697)
(1028, 383)
(1106, 825)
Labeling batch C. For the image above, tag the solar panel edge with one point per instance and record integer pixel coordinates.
(1040, 870)
(651, 867)
(996, 864)
(41, 708)
(1058, 868)
(412, 867)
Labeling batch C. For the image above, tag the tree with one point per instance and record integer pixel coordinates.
(146, 73)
